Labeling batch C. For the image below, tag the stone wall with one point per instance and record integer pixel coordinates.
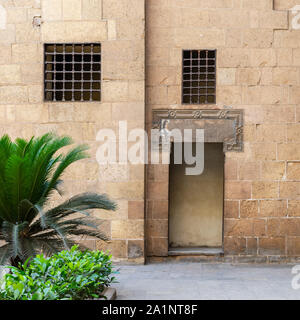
(258, 71)
(120, 30)
(258, 57)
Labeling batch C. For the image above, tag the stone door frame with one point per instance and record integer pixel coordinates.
(222, 126)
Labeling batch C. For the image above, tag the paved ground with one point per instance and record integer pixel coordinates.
(198, 281)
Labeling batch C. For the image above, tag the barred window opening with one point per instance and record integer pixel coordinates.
(199, 77)
(72, 72)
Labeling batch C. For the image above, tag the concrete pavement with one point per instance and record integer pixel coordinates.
(198, 281)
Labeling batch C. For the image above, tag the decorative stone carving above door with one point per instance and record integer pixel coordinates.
(224, 126)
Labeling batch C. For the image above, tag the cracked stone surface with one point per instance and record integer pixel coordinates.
(196, 281)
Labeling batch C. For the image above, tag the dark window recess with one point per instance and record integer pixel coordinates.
(73, 72)
(199, 77)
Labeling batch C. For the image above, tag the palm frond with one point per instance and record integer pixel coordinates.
(74, 155)
(29, 172)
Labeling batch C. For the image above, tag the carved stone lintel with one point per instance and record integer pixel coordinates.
(222, 125)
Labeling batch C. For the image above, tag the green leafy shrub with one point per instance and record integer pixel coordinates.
(30, 172)
(67, 275)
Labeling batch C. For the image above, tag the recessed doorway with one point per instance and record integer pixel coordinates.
(196, 204)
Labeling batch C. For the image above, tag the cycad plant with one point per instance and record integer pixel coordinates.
(30, 172)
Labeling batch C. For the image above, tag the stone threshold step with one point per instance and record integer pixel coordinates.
(200, 251)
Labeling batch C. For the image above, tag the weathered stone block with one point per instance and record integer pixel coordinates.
(131, 190)
(233, 58)
(114, 91)
(294, 208)
(72, 9)
(8, 35)
(16, 15)
(257, 38)
(119, 229)
(120, 9)
(25, 32)
(135, 229)
(285, 76)
(230, 169)
(69, 31)
(157, 95)
(270, 246)
(111, 30)
(229, 95)
(262, 57)
(231, 209)
(160, 209)
(13, 94)
(273, 208)
(293, 246)
(233, 38)
(136, 210)
(263, 190)
(274, 19)
(158, 190)
(264, 151)
(289, 190)
(32, 113)
(273, 95)
(118, 248)
(249, 171)
(294, 95)
(91, 9)
(284, 57)
(162, 17)
(158, 246)
(35, 94)
(5, 54)
(249, 209)
(52, 10)
(286, 39)
(257, 4)
(271, 170)
(248, 76)
(295, 56)
(136, 91)
(270, 133)
(159, 37)
(293, 171)
(238, 190)
(251, 246)
(160, 56)
(157, 228)
(234, 245)
(209, 38)
(25, 53)
(244, 227)
(226, 76)
(284, 4)
(128, 111)
(293, 132)
(10, 74)
(137, 171)
(128, 29)
(135, 249)
(288, 151)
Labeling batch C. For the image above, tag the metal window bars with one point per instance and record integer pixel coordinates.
(199, 76)
(72, 72)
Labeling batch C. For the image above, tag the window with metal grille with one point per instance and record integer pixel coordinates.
(199, 77)
(72, 72)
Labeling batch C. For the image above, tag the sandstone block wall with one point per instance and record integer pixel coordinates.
(257, 71)
(119, 27)
(258, 57)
